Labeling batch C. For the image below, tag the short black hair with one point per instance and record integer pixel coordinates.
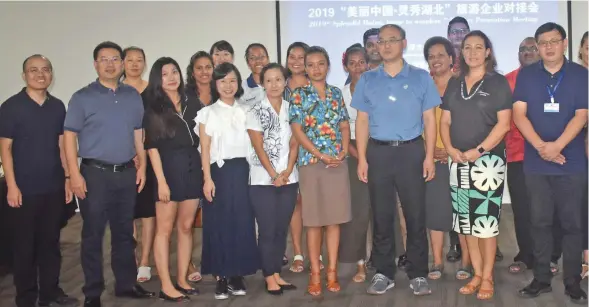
(222, 45)
(438, 40)
(457, 19)
(107, 45)
(355, 48)
(254, 45)
(220, 72)
(583, 40)
(394, 26)
(548, 27)
(273, 66)
(369, 33)
(315, 50)
(38, 56)
(490, 61)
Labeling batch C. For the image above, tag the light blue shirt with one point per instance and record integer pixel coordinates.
(395, 105)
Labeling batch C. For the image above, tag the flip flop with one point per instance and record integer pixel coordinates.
(143, 274)
(435, 272)
(517, 267)
(297, 265)
(464, 273)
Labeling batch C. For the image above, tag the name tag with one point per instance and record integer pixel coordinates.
(551, 107)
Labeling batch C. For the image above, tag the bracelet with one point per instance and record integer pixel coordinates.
(275, 177)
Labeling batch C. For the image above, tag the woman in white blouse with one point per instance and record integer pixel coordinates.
(273, 176)
(229, 236)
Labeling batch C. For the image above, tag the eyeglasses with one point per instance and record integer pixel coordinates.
(35, 70)
(524, 49)
(113, 60)
(459, 31)
(257, 58)
(390, 41)
(551, 42)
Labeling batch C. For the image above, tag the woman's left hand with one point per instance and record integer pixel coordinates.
(472, 155)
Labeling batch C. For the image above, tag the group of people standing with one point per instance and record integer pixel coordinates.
(283, 147)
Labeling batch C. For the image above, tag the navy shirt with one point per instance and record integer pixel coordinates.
(395, 105)
(34, 130)
(105, 121)
(571, 95)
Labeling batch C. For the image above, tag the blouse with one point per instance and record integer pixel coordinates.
(319, 119)
(225, 125)
(262, 117)
(353, 113)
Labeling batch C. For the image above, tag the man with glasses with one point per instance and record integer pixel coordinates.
(457, 29)
(395, 104)
(105, 120)
(550, 110)
(31, 129)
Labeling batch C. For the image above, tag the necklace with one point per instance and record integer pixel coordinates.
(474, 93)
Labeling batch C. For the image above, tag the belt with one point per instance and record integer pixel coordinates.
(394, 143)
(115, 168)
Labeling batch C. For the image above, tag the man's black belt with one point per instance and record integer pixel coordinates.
(115, 168)
(394, 143)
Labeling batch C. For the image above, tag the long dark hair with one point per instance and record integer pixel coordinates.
(290, 48)
(190, 80)
(160, 109)
(490, 61)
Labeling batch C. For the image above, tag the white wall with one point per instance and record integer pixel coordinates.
(67, 32)
(580, 9)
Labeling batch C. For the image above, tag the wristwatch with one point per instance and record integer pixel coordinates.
(481, 150)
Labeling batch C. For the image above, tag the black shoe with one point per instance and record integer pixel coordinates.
(288, 287)
(191, 291)
(403, 263)
(167, 298)
(92, 302)
(498, 255)
(61, 300)
(136, 292)
(284, 260)
(221, 291)
(454, 253)
(577, 295)
(534, 289)
(236, 286)
(273, 292)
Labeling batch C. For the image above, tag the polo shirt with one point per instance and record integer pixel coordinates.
(252, 92)
(514, 140)
(571, 95)
(34, 130)
(395, 105)
(105, 121)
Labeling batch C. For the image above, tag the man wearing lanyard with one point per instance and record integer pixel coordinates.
(550, 110)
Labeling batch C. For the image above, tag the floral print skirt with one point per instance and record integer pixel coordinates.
(477, 192)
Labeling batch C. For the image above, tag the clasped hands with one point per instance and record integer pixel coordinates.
(331, 161)
(550, 151)
(281, 178)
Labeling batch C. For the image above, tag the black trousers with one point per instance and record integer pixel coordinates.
(520, 204)
(399, 169)
(273, 208)
(110, 198)
(37, 258)
(561, 197)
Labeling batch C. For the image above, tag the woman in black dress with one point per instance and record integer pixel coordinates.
(173, 150)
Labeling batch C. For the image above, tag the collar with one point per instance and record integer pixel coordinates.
(23, 93)
(403, 73)
(251, 83)
(98, 86)
(561, 70)
(224, 105)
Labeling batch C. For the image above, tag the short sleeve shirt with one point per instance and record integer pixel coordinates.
(531, 87)
(34, 130)
(319, 119)
(395, 105)
(276, 132)
(474, 114)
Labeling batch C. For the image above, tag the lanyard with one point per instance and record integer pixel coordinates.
(551, 92)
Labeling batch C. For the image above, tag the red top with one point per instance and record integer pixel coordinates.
(514, 140)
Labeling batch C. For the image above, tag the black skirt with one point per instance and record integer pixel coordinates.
(183, 171)
(145, 204)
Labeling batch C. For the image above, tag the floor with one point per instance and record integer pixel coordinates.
(445, 291)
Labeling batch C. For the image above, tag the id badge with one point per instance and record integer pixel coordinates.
(551, 108)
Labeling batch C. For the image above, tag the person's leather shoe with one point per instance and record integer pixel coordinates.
(61, 300)
(136, 292)
(577, 295)
(92, 302)
(534, 289)
(403, 262)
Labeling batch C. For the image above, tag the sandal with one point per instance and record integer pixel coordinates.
(360, 276)
(193, 273)
(297, 265)
(517, 267)
(486, 294)
(435, 272)
(472, 286)
(464, 273)
(585, 271)
(332, 283)
(321, 266)
(554, 268)
(314, 288)
(143, 274)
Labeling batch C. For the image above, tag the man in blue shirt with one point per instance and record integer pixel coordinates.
(395, 104)
(105, 120)
(550, 110)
